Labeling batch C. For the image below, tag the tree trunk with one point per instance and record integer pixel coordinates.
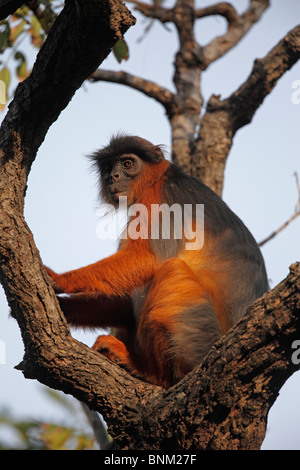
(201, 141)
(224, 402)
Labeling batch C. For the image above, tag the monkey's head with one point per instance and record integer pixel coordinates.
(122, 164)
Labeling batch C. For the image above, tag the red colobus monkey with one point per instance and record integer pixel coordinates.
(167, 304)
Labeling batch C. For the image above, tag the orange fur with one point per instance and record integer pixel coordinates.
(167, 309)
(174, 289)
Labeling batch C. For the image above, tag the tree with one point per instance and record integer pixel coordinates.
(230, 393)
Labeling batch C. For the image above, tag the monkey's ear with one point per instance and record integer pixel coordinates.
(160, 152)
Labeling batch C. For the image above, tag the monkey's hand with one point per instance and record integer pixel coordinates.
(52, 278)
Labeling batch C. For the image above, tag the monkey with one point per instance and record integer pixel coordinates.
(167, 302)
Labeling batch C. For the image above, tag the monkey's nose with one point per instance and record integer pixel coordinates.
(114, 177)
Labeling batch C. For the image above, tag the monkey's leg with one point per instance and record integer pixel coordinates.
(95, 310)
(178, 324)
(121, 349)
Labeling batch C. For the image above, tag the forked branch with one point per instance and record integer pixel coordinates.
(249, 365)
(238, 27)
(160, 94)
(262, 79)
(223, 118)
(223, 9)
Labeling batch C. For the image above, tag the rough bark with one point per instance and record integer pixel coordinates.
(201, 142)
(222, 404)
(8, 7)
(226, 400)
(79, 42)
(80, 39)
(223, 118)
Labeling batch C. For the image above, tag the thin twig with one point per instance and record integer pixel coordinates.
(99, 429)
(293, 217)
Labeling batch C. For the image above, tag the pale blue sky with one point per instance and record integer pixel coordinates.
(259, 183)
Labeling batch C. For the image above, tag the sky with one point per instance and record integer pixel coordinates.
(61, 201)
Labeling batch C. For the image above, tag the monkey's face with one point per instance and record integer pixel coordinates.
(124, 171)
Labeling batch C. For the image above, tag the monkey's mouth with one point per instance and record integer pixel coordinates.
(115, 195)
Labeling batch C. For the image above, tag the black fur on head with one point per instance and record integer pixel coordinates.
(125, 144)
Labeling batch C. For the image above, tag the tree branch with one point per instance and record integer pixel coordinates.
(238, 26)
(151, 89)
(263, 78)
(164, 15)
(8, 7)
(282, 227)
(223, 9)
(223, 118)
(293, 217)
(100, 432)
(248, 365)
(56, 64)
(80, 39)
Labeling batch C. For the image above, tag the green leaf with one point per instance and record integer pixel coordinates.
(4, 83)
(16, 31)
(22, 71)
(4, 34)
(36, 32)
(5, 76)
(83, 442)
(121, 51)
(55, 437)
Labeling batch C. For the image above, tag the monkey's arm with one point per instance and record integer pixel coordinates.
(118, 274)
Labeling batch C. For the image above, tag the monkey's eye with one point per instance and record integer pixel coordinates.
(127, 164)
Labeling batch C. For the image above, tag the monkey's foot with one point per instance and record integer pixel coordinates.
(113, 348)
